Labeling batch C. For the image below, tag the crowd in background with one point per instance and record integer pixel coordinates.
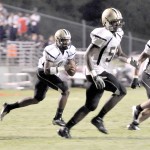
(19, 26)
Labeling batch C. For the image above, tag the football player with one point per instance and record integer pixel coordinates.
(54, 58)
(105, 44)
(142, 111)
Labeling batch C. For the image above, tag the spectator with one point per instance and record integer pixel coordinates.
(3, 10)
(12, 26)
(22, 26)
(34, 22)
(2, 27)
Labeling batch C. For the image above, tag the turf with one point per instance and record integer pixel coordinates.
(31, 127)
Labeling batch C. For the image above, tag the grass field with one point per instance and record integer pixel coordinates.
(31, 128)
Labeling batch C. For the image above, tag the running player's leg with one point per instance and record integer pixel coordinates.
(118, 91)
(142, 111)
(56, 83)
(146, 105)
(61, 104)
(39, 94)
(93, 96)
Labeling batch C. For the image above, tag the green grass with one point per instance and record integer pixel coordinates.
(30, 127)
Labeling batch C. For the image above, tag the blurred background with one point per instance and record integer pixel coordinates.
(27, 26)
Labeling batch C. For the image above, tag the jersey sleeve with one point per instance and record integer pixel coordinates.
(99, 37)
(147, 48)
(72, 52)
(50, 54)
(47, 56)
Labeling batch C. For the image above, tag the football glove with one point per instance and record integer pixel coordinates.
(133, 62)
(98, 80)
(135, 83)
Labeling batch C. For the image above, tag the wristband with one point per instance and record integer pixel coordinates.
(60, 69)
(53, 70)
(136, 76)
(93, 73)
(128, 60)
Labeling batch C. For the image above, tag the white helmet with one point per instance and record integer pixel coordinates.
(63, 38)
(112, 19)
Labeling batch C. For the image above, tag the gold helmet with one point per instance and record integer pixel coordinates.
(112, 19)
(63, 38)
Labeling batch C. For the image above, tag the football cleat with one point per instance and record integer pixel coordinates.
(4, 111)
(98, 123)
(59, 122)
(135, 113)
(64, 132)
(133, 126)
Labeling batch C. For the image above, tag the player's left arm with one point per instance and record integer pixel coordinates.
(124, 58)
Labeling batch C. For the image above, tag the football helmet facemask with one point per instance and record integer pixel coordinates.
(112, 19)
(63, 38)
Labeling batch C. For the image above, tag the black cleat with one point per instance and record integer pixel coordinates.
(135, 113)
(4, 111)
(59, 122)
(133, 126)
(98, 123)
(64, 132)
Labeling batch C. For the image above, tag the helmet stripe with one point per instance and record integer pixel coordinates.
(66, 31)
(117, 12)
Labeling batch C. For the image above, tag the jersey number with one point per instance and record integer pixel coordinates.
(111, 54)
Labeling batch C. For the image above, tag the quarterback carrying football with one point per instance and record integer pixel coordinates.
(50, 64)
(105, 44)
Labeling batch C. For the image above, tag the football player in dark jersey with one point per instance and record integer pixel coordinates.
(54, 58)
(105, 44)
(142, 111)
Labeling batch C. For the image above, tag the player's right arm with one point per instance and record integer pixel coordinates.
(143, 56)
(135, 82)
(88, 56)
(99, 83)
(48, 56)
(98, 41)
(47, 67)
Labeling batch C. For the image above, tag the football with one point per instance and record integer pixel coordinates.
(70, 67)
